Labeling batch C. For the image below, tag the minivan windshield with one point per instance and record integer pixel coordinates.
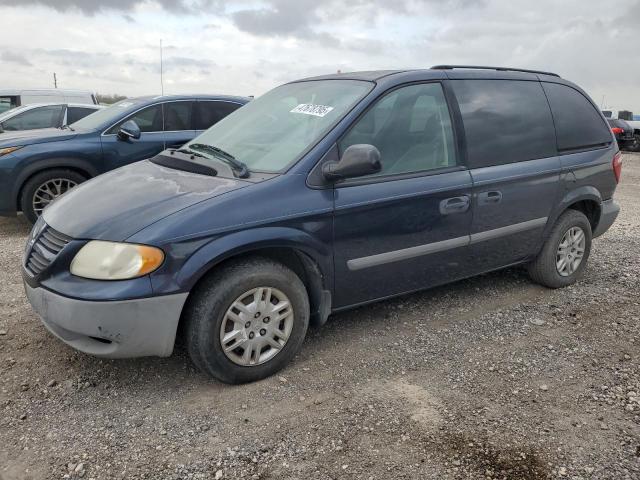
(271, 132)
(104, 117)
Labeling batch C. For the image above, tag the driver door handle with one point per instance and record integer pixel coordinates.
(488, 198)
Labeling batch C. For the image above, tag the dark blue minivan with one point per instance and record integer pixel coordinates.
(324, 194)
(38, 166)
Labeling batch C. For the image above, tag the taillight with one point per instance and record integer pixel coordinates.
(617, 130)
(617, 166)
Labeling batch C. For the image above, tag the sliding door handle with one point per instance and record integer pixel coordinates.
(455, 205)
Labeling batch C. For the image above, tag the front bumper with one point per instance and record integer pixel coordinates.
(111, 329)
(609, 210)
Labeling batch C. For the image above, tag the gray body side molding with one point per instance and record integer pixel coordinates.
(428, 248)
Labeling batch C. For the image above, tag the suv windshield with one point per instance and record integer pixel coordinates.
(105, 116)
(271, 132)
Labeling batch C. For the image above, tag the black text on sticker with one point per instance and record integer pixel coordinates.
(310, 109)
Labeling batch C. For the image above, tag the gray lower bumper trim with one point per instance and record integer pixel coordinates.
(609, 211)
(112, 329)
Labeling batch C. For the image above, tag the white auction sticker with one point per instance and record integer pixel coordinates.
(310, 109)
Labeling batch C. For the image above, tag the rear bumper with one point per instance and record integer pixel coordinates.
(609, 210)
(111, 329)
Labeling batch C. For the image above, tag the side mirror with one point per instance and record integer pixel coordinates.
(129, 130)
(356, 161)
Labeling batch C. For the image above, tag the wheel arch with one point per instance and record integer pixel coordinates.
(80, 166)
(585, 199)
(306, 256)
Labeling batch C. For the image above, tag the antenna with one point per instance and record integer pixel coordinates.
(161, 72)
(162, 93)
(55, 80)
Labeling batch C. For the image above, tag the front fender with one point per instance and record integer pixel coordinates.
(215, 251)
(31, 167)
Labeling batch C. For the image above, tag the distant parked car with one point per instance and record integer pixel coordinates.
(623, 132)
(40, 165)
(46, 115)
(632, 145)
(15, 98)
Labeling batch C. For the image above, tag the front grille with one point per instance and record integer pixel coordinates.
(45, 249)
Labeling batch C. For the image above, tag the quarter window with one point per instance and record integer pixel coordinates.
(411, 127)
(505, 121)
(578, 123)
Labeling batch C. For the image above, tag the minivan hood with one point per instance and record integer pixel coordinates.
(119, 203)
(31, 137)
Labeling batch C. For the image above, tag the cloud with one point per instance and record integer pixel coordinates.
(14, 58)
(250, 46)
(91, 7)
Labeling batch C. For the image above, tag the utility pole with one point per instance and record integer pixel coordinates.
(55, 80)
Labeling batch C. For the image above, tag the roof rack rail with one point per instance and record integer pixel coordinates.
(499, 69)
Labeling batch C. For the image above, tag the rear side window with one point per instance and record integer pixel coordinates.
(177, 116)
(76, 113)
(578, 123)
(210, 113)
(505, 121)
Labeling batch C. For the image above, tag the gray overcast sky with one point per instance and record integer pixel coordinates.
(248, 47)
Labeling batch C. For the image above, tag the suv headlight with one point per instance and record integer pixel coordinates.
(101, 260)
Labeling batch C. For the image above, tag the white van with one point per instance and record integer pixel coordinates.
(15, 98)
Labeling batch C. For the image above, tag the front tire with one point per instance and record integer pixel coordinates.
(564, 255)
(247, 321)
(41, 189)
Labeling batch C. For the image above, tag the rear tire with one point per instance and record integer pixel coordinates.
(34, 196)
(212, 317)
(556, 265)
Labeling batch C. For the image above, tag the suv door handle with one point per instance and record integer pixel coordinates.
(486, 198)
(455, 205)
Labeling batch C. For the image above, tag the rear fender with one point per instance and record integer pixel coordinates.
(579, 194)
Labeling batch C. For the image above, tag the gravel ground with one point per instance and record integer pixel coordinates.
(492, 377)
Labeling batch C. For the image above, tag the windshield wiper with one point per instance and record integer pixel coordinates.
(189, 152)
(65, 127)
(240, 167)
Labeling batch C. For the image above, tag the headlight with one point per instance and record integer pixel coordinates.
(8, 150)
(115, 261)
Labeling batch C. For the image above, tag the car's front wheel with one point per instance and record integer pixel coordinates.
(41, 189)
(247, 320)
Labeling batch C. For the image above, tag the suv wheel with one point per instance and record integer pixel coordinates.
(565, 253)
(247, 321)
(41, 189)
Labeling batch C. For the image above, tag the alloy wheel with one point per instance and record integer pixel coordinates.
(570, 251)
(256, 326)
(48, 191)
